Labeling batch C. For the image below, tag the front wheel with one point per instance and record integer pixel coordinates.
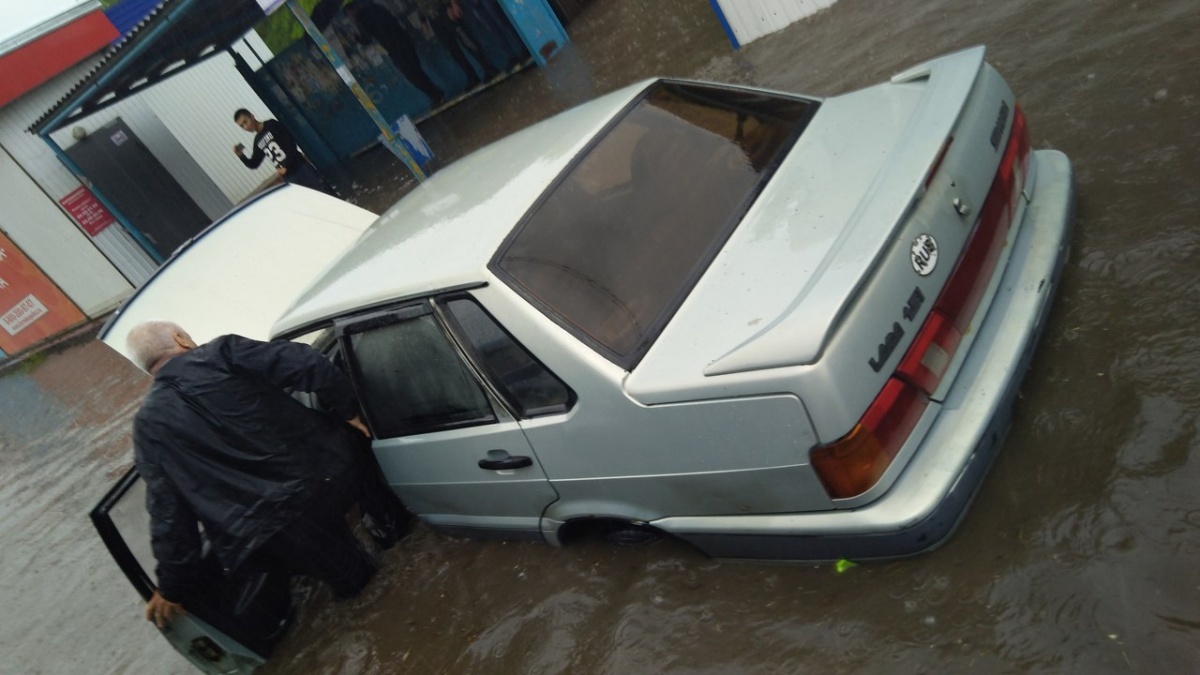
(628, 534)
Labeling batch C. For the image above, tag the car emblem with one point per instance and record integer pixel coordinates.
(924, 254)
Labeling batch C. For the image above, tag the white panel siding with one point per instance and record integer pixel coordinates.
(39, 227)
(752, 19)
(186, 122)
(197, 106)
(164, 146)
(253, 50)
(44, 167)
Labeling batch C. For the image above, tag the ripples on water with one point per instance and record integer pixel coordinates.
(1081, 551)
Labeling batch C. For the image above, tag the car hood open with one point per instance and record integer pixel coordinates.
(241, 273)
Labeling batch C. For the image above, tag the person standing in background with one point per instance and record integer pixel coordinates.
(489, 14)
(378, 23)
(447, 25)
(272, 140)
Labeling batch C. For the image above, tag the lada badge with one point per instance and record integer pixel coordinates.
(924, 254)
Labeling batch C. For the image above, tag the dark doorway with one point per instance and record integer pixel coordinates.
(121, 167)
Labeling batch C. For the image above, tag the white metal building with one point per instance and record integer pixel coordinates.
(185, 122)
(747, 20)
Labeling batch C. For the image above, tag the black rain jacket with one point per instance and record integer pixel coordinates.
(220, 442)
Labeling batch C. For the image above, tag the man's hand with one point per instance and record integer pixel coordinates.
(281, 171)
(237, 149)
(161, 610)
(357, 423)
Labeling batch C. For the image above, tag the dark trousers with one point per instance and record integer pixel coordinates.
(447, 34)
(253, 605)
(319, 544)
(306, 175)
(494, 21)
(404, 57)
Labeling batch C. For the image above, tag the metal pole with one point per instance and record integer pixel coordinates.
(391, 140)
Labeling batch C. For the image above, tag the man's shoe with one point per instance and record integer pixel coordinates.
(388, 530)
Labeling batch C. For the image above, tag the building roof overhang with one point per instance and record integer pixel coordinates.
(175, 35)
(42, 52)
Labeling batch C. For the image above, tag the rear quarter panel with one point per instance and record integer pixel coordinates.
(839, 387)
(612, 456)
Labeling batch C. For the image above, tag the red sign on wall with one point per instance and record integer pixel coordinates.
(32, 308)
(87, 210)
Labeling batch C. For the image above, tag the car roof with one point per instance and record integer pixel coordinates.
(443, 234)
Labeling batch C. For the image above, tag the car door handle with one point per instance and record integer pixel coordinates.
(499, 462)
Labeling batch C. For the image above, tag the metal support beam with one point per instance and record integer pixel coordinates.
(144, 43)
(391, 140)
(91, 107)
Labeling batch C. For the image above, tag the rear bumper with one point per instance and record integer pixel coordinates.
(926, 502)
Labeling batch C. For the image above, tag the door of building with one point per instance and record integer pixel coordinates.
(124, 170)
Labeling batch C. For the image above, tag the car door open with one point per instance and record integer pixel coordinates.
(240, 620)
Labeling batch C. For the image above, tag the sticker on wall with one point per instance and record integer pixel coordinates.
(87, 210)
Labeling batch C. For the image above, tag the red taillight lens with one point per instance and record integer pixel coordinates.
(960, 297)
(851, 465)
(854, 463)
(935, 344)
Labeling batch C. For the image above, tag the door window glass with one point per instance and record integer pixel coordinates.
(412, 380)
(525, 381)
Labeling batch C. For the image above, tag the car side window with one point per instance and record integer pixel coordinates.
(521, 378)
(412, 380)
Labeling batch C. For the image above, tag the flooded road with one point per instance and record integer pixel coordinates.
(1081, 553)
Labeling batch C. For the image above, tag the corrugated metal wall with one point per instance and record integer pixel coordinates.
(50, 239)
(67, 264)
(752, 19)
(195, 106)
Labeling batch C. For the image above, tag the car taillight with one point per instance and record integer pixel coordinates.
(960, 297)
(852, 464)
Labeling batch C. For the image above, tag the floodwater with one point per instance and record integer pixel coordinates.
(1081, 553)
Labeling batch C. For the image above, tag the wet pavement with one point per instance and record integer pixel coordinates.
(1081, 553)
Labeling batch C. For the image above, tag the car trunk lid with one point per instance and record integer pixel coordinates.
(781, 287)
(242, 272)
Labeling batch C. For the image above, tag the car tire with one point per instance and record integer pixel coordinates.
(631, 535)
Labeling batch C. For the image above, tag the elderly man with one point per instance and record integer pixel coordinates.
(221, 443)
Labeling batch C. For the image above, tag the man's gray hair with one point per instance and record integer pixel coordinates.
(149, 341)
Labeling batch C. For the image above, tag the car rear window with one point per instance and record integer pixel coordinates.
(617, 242)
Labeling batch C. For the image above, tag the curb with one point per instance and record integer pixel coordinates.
(65, 340)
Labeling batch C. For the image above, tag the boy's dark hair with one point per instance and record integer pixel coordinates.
(240, 112)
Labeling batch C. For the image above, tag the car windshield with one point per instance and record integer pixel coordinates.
(619, 240)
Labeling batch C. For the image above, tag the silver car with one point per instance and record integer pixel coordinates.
(773, 326)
